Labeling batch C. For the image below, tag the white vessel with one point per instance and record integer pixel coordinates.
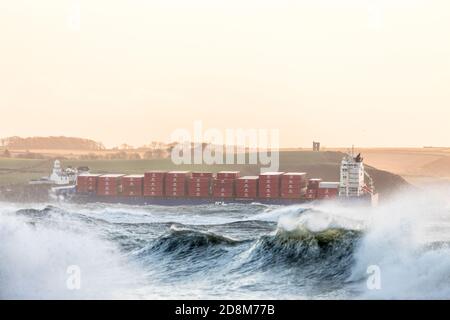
(353, 179)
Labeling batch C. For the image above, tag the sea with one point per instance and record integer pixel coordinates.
(328, 250)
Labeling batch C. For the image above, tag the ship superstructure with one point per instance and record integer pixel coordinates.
(353, 178)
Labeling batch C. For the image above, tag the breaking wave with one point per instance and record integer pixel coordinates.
(252, 251)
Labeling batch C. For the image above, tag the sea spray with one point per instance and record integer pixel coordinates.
(36, 260)
(400, 241)
(313, 251)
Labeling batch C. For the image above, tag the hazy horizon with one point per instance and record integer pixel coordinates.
(368, 73)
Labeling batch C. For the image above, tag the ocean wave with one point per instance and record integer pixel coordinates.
(312, 251)
(184, 240)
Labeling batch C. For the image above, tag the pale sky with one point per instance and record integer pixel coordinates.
(362, 72)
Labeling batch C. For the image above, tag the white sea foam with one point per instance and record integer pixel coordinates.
(413, 255)
(35, 259)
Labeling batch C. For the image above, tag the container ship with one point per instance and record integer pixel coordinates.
(194, 188)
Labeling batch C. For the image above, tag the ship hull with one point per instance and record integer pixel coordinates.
(68, 194)
(181, 201)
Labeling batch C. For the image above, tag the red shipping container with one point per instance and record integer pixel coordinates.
(247, 180)
(148, 179)
(177, 186)
(270, 176)
(250, 187)
(176, 178)
(269, 191)
(224, 188)
(197, 192)
(175, 194)
(297, 188)
(87, 183)
(231, 191)
(133, 180)
(200, 182)
(87, 178)
(225, 183)
(201, 174)
(294, 176)
(328, 190)
(199, 185)
(200, 179)
(155, 174)
(176, 182)
(153, 189)
(293, 193)
(132, 185)
(154, 183)
(269, 184)
(202, 188)
(218, 194)
(268, 188)
(250, 194)
(110, 177)
(177, 174)
(293, 180)
(109, 184)
(301, 183)
(247, 187)
(227, 175)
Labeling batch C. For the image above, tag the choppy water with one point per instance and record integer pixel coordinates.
(232, 251)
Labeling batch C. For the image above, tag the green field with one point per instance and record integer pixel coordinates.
(323, 165)
(20, 171)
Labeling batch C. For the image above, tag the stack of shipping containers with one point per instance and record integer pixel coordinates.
(224, 184)
(87, 183)
(247, 187)
(293, 185)
(154, 183)
(328, 190)
(312, 191)
(132, 185)
(269, 185)
(176, 183)
(109, 185)
(200, 184)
